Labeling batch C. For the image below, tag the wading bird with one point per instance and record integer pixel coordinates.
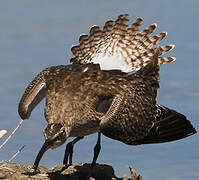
(110, 88)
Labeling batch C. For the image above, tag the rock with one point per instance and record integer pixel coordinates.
(77, 171)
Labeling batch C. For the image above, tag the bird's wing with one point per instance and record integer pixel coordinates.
(33, 95)
(119, 46)
(135, 118)
(131, 114)
(169, 125)
(142, 123)
(127, 119)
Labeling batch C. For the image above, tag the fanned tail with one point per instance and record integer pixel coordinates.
(169, 126)
(119, 46)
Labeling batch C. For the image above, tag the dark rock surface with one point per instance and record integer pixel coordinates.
(77, 171)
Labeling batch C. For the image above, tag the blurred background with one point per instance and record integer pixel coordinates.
(38, 34)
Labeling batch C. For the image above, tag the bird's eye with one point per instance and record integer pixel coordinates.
(60, 136)
(62, 133)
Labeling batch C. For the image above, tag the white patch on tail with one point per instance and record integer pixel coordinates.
(108, 60)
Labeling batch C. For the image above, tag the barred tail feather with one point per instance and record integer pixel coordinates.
(119, 46)
(143, 59)
(134, 28)
(94, 39)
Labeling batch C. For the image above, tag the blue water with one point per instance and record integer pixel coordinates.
(38, 34)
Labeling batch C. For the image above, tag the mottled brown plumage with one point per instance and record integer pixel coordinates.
(85, 98)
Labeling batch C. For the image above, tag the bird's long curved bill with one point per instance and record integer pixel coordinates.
(44, 148)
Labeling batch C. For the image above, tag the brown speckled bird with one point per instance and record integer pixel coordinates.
(110, 88)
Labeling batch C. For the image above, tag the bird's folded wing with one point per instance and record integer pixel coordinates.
(169, 125)
(134, 125)
(126, 122)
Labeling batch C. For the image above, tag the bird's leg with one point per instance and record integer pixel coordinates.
(97, 149)
(69, 151)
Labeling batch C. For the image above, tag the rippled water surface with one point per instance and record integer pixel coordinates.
(38, 34)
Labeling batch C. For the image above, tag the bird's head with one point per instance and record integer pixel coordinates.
(55, 135)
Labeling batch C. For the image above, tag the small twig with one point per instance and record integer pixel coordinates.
(3, 133)
(13, 132)
(14, 156)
